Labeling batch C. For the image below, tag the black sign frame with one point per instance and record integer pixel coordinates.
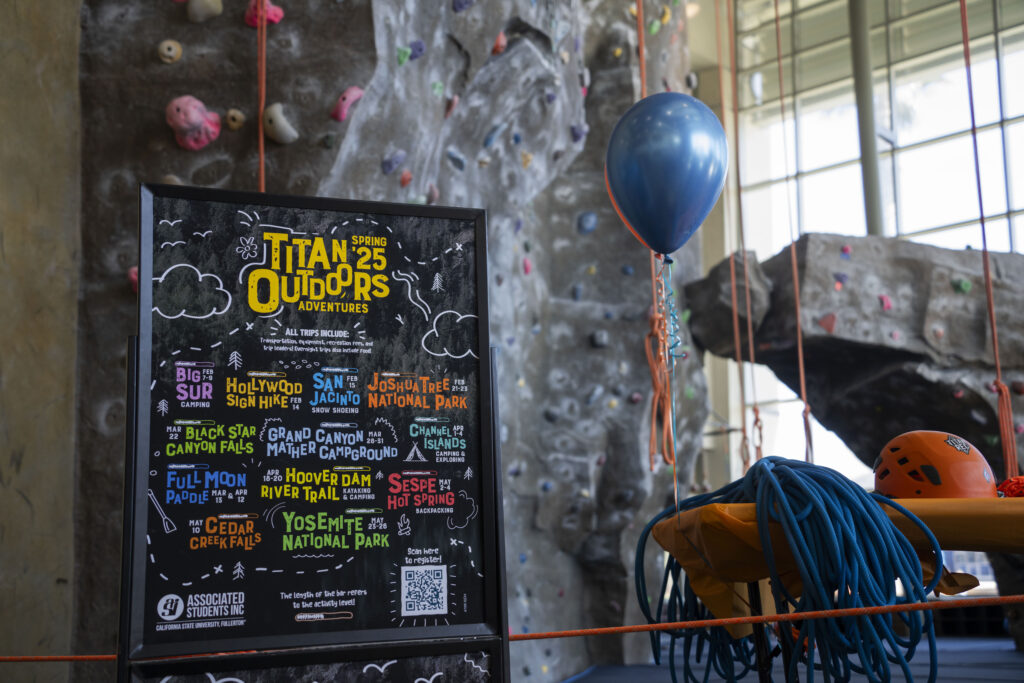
(135, 654)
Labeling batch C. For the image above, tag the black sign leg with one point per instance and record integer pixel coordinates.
(127, 526)
(761, 649)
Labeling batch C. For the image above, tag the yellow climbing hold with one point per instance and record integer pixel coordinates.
(613, 403)
(632, 10)
(591, 270)
(666, 14)
(617, 52)
(526, 158)
(521, 383)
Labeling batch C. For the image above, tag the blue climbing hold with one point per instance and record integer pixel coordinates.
(546, 486)
(550, 96)
(628, 269)
(522, 559)
(493, 133)
(518, 226)
(457, 159)
(586, 222)
(579, 131)
(462, 5)
(516, 138)
(390, 163)
(417, 48)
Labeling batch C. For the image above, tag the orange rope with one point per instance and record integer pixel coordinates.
(809, 450)
(773, 618)
(733, 67)
(639, 628)
(261, 76)
(640, 47)
(1006, 432)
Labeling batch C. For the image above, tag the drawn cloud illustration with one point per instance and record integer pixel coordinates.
(465, 510)
(452, 335)
(184, 292)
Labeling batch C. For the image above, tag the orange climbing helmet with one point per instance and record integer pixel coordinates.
(925, 464)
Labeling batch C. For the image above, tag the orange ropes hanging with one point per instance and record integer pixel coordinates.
(261, 77)
(809, 451)
(1006, 431)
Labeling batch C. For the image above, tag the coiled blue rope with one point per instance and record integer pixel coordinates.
(848, 554)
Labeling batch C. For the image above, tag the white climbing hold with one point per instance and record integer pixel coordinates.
(277, 126)
(201, 10)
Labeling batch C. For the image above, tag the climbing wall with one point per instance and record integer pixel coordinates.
(500, 104)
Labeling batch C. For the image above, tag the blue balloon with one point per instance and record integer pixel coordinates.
(665, 168)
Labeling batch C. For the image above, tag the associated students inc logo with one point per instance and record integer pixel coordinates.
(170, 607)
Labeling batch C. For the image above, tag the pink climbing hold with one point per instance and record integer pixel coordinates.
(453, 102)
(133, 277)
(351, 95)
(959, 393)
(896, 335)
(827, 322)
(274, 13)
(885, 301)
(406, 177)
(194, 126)
(527, 266)
(1019, 428)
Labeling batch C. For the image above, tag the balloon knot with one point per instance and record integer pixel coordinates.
(668, 259)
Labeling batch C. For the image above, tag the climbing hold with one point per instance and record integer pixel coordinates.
(133, 277)
(406, 177)
(458, 161)
(171, 179)
(519, 382)
(577, 292)
(635, 397)
(417, 49)
(484, 161)
(462, 5)
(1017, 388)
(169, 51)
(514, 470)
(526, 246)
(961, 285)
(543, 668)
(938, 332)
(991, 439)
(194, 127)
(492, 134)
(518, 226)
(654, 27)
(591, 270)
(601, 460)
(692, 80)
(845, 252)
(550, 96)
(594, 394)
(522, 558)
(201, 10)
(586, 222)
(666, 15)
(632, 10)
(599, 339)
(453, 102)
(234, 118)
(516, 138)
(684, 317)
(437, 87)
(579, 131)
(403, 54)
(690, 393)
(613, 403)
(617, 52)
(327, 141)
(551, 415)
(992, 388)
(277, 126)
(896, 335)
(1019, 428)
(608, 315)
(564, 55)
(390, 163)
(500, 43)
(959, 393)
(273, 12)
(978, 416)
(628, 269)
(526, 158)
(352, 94)
(561, 592)
(886, 302)
(840, 279)
(527, 266)
(433, 194)
(585, 493)
(827, 322)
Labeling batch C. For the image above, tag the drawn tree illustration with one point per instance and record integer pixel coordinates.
(438, 286)
(161, 407)
(235, 360)
(239, 571)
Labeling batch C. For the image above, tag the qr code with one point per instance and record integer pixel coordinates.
(424, 590)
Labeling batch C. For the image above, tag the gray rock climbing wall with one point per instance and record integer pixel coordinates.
(446, 116)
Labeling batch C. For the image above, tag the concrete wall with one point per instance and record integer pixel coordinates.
(39, 246)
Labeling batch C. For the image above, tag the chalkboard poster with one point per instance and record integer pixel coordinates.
(313, 446)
